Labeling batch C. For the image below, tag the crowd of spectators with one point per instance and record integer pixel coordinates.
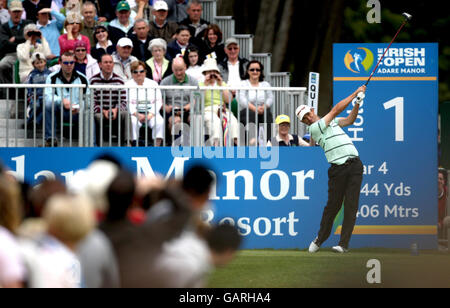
(63, 42)
(107, 228)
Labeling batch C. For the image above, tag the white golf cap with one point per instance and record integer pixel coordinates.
(210, 64)
(160, 6)
(15, 6)
(125, 41)
(301, 111)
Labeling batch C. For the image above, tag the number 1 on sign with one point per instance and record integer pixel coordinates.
(399, 117)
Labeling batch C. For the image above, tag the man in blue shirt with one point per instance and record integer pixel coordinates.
(51, 28)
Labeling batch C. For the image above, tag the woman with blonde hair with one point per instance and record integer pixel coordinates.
(145, 104)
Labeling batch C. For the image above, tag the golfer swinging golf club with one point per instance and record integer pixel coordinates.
(345, 172)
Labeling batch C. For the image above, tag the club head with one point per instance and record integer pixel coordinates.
(407, 16)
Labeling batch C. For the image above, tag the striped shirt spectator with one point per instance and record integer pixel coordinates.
(106, 98)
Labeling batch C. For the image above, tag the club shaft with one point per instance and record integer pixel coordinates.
(379, 61)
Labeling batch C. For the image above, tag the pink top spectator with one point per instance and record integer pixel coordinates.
(66, 45)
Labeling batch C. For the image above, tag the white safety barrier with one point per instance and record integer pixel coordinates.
(201, 124)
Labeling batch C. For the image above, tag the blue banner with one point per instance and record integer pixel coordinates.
(278, 207)
(395, 134)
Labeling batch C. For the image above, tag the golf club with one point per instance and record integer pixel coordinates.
(407, 18)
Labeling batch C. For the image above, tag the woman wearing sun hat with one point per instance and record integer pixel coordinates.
(218, 124)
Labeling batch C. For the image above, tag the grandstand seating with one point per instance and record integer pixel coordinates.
(13, 128)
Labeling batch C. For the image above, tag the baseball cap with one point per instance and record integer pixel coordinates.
(122, 6)
(230, 41)
(124, 41)
(15, 6)
(160, 6)
(282, 118)
(301, 111)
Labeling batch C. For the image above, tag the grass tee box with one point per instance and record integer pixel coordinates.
(325, 269)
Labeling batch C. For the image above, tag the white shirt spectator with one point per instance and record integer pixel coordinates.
(234, 78)
(184, 262)
(51, 264)
(12, 269)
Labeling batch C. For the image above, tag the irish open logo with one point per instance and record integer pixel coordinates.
(359, 60)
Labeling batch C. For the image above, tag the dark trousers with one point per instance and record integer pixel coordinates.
(344, 185)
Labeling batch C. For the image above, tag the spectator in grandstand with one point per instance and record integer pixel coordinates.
(145, 104)
(11, 35)
(193, 63)
(158, 67)
(220, 123)
(213, 46)
(35, 95)
(51, 258)
(442, 200)
(196, 25)
(4, 15)
(188, 260)
(51, 28)
(67, 99)
(35, 42)
(283, 138)
(141, 39)
(32, 7)
(89, 13)
(102, 43)
(177, 10)
(178, 46)
(73, 26)
(122, 26)
(233, 69)
(84, 62)
(255, 104)
(110, 106)
(123, 58)
(160, 27)
(12, 270)
(178, 104)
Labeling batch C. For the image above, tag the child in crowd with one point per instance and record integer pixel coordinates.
(35, 95)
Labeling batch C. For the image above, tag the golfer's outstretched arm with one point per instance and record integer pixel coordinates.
(342, 105)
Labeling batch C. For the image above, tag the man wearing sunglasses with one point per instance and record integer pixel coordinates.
(233, 68)
(69, 99)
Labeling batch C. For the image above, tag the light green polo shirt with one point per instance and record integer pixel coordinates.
(337, 146)
(213, 97)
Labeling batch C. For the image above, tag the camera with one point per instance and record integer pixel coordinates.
(35, 33)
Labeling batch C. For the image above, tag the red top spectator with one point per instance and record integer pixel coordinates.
(73, 27)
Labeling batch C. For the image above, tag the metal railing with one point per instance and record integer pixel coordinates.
(205, 124)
